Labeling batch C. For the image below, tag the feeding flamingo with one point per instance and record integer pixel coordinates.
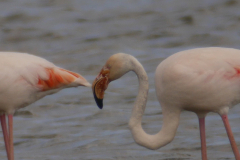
(199, 80)
(24, 79)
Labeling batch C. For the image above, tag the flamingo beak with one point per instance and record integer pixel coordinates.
(99, 86)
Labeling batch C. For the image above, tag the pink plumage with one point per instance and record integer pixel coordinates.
(200, 80)
(24, 79)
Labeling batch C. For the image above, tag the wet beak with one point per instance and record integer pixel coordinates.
(98, 87)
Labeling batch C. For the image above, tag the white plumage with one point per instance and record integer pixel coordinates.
(200, 80)
(206, 79)
(25, 78)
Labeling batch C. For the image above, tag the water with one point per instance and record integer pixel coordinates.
(80, 35)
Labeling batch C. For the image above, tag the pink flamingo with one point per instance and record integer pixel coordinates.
(199, 80)
(24, 79)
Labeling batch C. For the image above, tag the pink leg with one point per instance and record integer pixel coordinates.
(5, 134)
(203, 138)
(10, 127)
(230, 136)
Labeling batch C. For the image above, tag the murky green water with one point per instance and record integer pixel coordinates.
(80, 35)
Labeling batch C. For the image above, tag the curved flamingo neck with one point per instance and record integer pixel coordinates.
(170, 117)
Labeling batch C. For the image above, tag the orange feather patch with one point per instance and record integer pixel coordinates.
(237, 71)
(72, 73)
(57, 79)
(235, 75)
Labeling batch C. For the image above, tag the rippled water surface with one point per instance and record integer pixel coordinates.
(80, 35)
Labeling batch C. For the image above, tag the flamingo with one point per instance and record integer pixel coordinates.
(200, 80)
(24, 79)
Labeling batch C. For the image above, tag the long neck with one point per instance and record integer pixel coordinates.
(170, 116)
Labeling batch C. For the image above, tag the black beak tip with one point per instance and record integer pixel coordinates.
(98, 101)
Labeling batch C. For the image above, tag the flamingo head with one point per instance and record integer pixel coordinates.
(115, 67)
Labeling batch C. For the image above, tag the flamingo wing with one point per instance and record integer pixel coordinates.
(58, 77)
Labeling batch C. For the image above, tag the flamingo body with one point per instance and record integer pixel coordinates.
(199, 80)
(24, 79)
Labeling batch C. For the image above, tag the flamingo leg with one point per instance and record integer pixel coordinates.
(10, 127)
(5, 134)
(230, 136)
(203, 137)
